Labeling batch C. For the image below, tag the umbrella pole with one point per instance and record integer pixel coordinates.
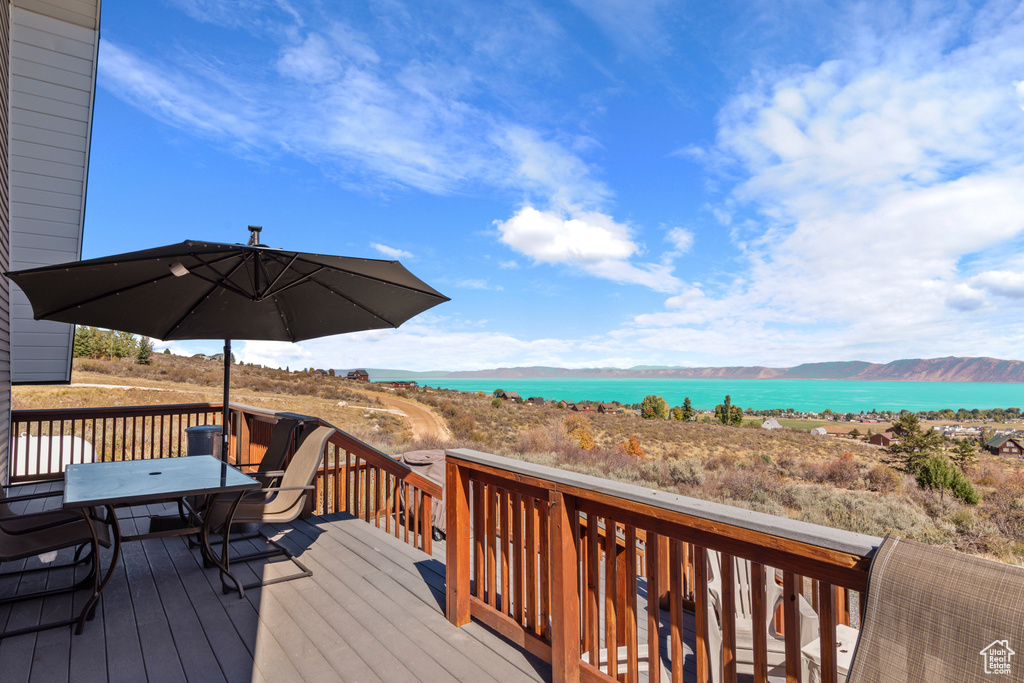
(227, 392)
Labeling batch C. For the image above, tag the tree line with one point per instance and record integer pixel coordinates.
(95, 342)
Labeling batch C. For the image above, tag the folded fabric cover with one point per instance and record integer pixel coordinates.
(934, 615)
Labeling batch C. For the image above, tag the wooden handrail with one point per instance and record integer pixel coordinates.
(378, 486)
(679, 533)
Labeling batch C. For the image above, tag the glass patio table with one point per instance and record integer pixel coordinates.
(159, 480)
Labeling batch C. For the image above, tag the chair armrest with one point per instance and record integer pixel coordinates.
(76, 515)
(275, 489)
(269, 474)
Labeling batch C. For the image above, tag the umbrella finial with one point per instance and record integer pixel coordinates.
(254, 235)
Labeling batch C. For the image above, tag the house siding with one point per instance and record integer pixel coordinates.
(53, 49)
(5, 326)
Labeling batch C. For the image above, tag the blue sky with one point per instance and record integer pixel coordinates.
(592, 182)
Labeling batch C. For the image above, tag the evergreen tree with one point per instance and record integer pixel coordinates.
(914, 445)
(144, 351)
(688, 412)
(963, 454)
(936, 472)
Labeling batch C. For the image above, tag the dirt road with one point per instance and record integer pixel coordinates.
(423, 421)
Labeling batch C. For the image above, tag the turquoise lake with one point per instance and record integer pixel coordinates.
(801, 395)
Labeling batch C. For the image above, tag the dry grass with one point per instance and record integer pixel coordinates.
(836, 482)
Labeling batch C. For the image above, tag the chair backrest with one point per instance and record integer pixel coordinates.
(300, 472)
(742, 584)
(280, 444)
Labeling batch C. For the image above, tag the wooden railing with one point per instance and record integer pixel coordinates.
(44, 442)
(354, 477)
(551, 560)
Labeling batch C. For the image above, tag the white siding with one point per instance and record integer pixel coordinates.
(53, 75)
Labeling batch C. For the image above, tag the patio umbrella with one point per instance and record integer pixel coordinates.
(210, 290)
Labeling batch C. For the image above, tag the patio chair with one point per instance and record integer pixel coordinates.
(807, 625)
(271, 467)
(281, 503)
(27, 535)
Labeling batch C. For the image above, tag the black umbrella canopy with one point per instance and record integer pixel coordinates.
(209, 290)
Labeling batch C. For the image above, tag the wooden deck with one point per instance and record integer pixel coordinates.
(372, 611)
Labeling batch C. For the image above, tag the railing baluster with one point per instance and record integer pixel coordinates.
(702, 613)
(478, 539)
(653, 609)
(531, 564)
(675, 592)
(629, 614)
(545, 569)
(827, 629)
(490, 496)
(791, 622)
(593, 588)
(611, 642)
(760, 622)
(728, 598)
(519, 593)
(503, 505)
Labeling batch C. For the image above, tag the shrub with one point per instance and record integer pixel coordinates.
(884, 479)
(496, 403)
(938, 473)
(687, 471)
(632, 447)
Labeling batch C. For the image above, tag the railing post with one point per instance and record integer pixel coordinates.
(457, 543)
(563, 534)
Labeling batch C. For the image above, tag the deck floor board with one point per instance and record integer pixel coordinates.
(372, 611)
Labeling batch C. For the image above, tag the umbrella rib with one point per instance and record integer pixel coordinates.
(205, 296)
(284, 270)
(357, 305)
(364, 276)
(115, 292)
(224, 282)
(308, 276)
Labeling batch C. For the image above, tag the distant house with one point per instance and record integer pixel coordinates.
(535, 400)
(881, 439)
(359, 375)
(562, 404)
(511, 396)
(607, 408)
(401, 384)
(319, 373)
(1005, 445)
(579, 407)
(771, 423)
(819, 431)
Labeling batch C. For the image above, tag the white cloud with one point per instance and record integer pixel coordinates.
(1007, 283)
(866, 199)
(681, 239)
(591, 241)
(173, 99)
(636, 26)
(391, 252)
(509, 265)
(478, 284)
(550, 169)
(312, 60)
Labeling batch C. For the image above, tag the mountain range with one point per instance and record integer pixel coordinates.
(950, 369)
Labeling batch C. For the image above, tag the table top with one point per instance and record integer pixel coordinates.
(133, 482)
